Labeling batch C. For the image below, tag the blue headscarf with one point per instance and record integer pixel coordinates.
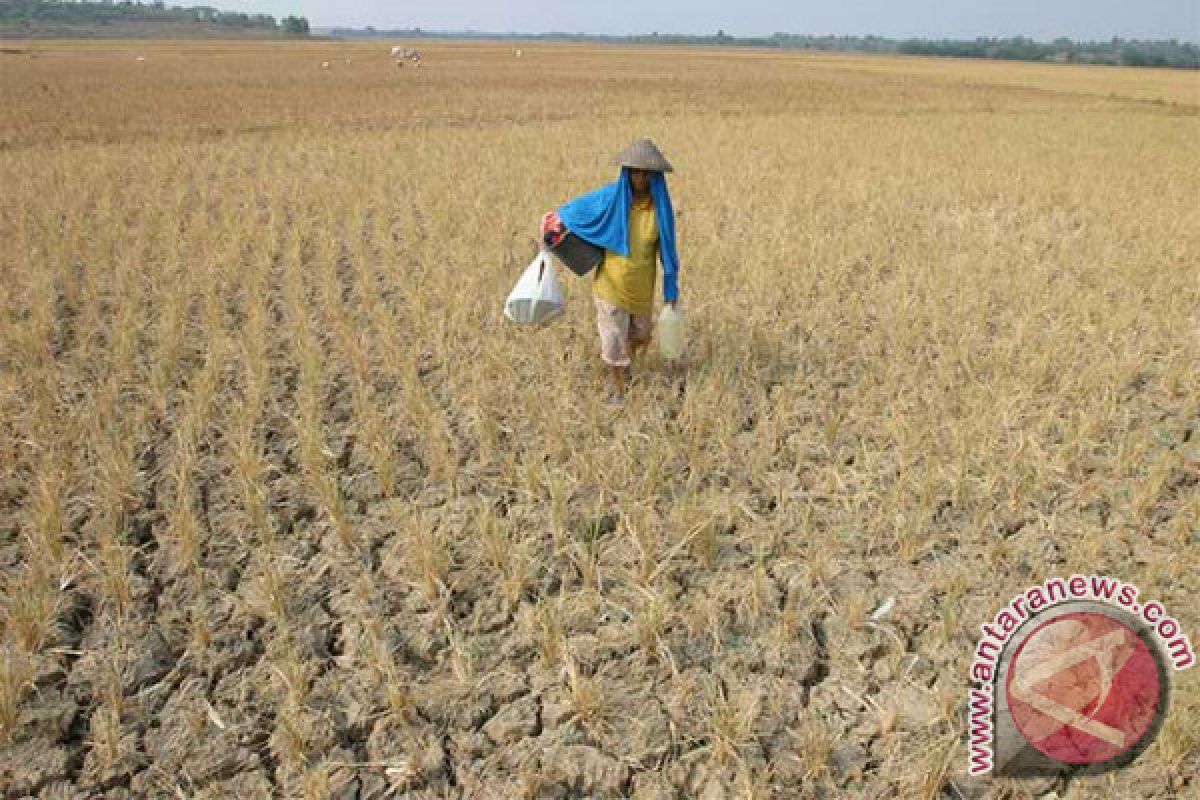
(602, 218)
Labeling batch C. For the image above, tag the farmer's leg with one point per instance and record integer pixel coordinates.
(613, 325)
(641, 330)
(619, 376)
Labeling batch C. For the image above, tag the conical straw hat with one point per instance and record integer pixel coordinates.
(642, 154)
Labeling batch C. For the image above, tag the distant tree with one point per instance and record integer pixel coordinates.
(295, 26)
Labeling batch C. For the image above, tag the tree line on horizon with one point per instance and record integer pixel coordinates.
(1114, 52)
(17, 16)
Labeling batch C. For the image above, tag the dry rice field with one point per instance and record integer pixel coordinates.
(289, 509)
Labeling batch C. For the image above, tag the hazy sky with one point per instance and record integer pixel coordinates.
(1040, 19)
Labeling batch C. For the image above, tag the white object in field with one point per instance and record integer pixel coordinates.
(672, 333)
(538, 296)
(884, 609)
(324, 65)
(518, 52)
(141, 58)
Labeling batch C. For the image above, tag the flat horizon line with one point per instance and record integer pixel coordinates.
(383, 31)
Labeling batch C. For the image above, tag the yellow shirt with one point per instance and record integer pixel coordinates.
(628, 283)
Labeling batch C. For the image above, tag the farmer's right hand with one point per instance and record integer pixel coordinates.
(551, 222)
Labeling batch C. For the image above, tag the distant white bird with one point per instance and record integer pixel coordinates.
(324, 65)
(518, 53)
(141, 58)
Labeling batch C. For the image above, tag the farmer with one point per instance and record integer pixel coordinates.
(632, 219)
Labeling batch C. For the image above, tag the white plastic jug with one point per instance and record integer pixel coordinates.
(538, 297)
(672, 333)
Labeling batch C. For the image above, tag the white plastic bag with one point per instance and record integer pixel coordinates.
(538, 297)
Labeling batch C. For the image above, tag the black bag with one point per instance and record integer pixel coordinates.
(580, 255)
